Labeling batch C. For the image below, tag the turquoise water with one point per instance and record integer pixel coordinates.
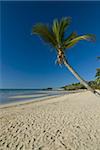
(8, 95)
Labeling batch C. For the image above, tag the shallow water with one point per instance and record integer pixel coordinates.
(15, 95)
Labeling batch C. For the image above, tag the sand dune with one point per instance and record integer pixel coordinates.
(70, 122)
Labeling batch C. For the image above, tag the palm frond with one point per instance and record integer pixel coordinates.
(70, 43)
(56, 29)
(59, 28)
(70, 37)
(64, 23)
(45, 33)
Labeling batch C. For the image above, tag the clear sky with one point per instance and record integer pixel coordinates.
(26, 62)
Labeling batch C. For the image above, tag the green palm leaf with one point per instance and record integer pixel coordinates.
(69, 43)
(69, 38)
(56, 29)
(64, 23)
(45, 33)
(59, 28)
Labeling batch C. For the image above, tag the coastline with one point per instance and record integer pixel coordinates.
(26, 102)
(65, 122)
(23, 102)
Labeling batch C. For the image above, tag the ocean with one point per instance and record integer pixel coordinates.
(17, 95)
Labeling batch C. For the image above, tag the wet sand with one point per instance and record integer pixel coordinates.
(69, 122)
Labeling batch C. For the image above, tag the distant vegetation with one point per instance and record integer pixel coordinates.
(98, 77)
(77, 86)
(94, 84)
(74, 86)
(49, 89)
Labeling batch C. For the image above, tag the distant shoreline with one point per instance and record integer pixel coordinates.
(44, 98)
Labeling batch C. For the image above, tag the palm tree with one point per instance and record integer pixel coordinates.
(98, 76)
(55, 36)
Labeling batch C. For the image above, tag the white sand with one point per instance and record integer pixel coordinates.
(70, 122)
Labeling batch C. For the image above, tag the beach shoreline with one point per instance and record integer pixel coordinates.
(26, 102)
(65, 122)
(36, 99)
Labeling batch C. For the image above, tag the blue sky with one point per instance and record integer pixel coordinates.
(26, 62)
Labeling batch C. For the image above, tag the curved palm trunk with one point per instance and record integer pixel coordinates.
(78, 76)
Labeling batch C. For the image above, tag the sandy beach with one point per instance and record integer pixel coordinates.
(69, 122)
